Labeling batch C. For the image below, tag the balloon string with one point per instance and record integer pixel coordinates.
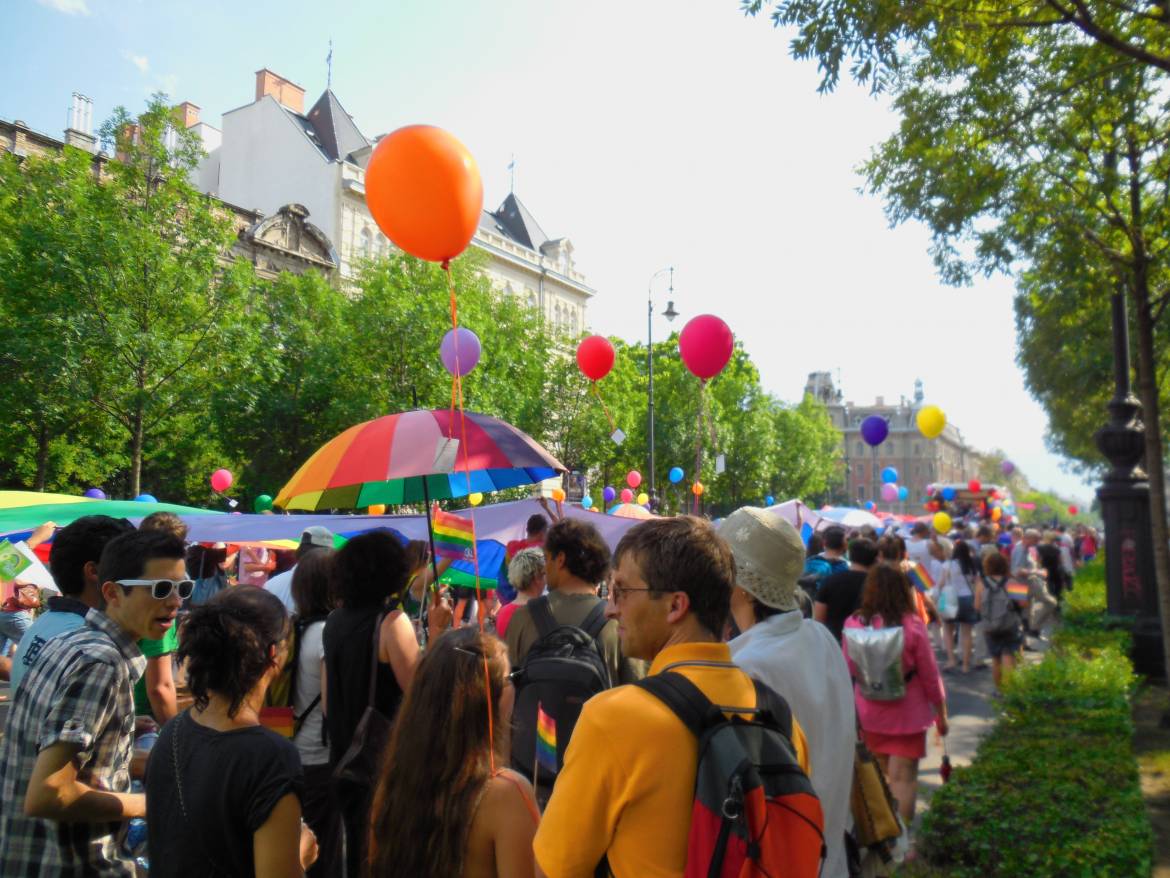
(608, 416)
(457, 396)
(699, 440)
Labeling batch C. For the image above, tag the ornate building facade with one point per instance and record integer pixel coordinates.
(918, 460)
(272, 152)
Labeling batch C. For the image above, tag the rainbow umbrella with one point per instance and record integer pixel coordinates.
(399, 459)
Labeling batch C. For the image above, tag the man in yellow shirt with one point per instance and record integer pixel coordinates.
(627, 787)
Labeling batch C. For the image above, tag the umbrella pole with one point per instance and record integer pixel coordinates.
(422, 607)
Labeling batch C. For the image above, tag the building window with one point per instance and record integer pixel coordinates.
(917, 449)
(531, 299)
(861, 492)
(860, 448)
(381, 245)
(365, 243)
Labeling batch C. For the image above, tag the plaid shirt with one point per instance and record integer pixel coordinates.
(81, 691)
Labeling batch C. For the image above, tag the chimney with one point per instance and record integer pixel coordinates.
(881, 401)
(285, 92)
(79, 132)
(187, 114)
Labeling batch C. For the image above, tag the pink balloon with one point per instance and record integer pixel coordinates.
(468, 351)
(889, 492)
(221, 480)
(627, 495)
(633, 478)
(705, 345)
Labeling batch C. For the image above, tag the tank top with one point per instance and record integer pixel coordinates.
(349, 637)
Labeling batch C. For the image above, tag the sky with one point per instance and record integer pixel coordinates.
(649, 133)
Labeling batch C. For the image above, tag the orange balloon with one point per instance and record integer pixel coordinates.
(996, 514)
(558, 494)
(697, 489)
(424, 191)
(377, 509)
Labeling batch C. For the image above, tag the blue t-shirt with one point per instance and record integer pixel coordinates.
(64, 614)
(819, 567)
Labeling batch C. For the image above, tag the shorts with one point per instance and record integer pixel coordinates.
(911, 746)
(967, 614)
(463, 593)
(999, 645)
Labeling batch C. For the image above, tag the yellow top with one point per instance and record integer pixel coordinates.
(628, 783)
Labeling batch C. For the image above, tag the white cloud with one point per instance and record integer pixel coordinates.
(69, 7)
(139, 61)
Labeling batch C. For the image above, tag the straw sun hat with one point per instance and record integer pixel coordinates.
(769, 555)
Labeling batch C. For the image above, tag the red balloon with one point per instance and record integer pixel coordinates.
(705, 345)
(424, 191)
(1072, 510)
(633, 478)
(974, 486)
(595, 357)
(627, 495)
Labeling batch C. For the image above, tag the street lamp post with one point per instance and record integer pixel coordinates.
(669, 314)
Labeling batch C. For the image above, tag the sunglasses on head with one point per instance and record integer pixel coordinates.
(161, 589)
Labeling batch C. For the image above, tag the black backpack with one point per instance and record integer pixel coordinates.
(562, 670)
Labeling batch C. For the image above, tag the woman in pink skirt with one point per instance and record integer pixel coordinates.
(894, 728)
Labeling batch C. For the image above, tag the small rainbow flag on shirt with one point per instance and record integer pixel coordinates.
(454, 535)
(1017, 591)
(546, 739)
(920, 577)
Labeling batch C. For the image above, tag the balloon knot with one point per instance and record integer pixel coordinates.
(446, 264)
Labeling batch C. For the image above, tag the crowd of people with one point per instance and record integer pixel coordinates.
(557, 734)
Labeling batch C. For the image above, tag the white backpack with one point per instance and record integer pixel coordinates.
(877, 653)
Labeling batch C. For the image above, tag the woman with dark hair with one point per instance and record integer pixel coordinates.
(894, 728)
(312, 593)
(1002, 614)
(223, 793)
(369, 577)
(445, 805)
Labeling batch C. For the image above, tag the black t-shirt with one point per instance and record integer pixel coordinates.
(230, 783)
(841, 592)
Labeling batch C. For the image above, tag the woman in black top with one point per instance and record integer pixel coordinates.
(223, 793)
(369, 576)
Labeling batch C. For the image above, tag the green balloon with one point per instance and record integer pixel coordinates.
(263, 503)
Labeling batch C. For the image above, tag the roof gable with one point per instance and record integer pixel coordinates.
(335, 129)
(518, 224)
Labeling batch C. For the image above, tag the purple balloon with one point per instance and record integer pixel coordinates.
(874, 430)
(1008, 467)
(609, 493)
(889, 492)
(468, 351)
(95, 494)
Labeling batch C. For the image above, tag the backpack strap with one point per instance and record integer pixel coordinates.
(684, 698)
(595, 621)
(542, 615)
(772, 704)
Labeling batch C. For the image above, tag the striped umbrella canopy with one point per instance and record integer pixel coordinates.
(388, 460)
(630, 510)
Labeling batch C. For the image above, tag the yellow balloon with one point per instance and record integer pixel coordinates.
(475, 499)
(643, 499)
(942, 522)
(377, 509)
(931, 421)
(697, 489)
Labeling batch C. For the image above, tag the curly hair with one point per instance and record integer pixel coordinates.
(226, 644)
(586, 553)
(439, 757)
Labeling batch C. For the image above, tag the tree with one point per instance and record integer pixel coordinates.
(807, 459)
(158, 316)
(878, 38)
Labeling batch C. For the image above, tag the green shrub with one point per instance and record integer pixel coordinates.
(1053, 790)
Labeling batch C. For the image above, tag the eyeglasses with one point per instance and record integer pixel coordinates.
(618, 592)
(161, 589)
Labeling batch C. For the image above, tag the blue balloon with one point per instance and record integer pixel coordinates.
(676, 475)
(770, 500)
(948, 494)
(903, 493)
(145, 498)
(586, 502)
(889, 475)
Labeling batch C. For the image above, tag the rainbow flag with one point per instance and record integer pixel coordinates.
(1017, 591)
(920, 578)
(546, 740)
(279, 719)
(454, 536)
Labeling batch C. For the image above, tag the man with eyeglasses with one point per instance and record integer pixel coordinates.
(625, 793)
(65, 763)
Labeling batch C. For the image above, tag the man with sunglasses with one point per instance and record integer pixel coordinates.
(65, 764)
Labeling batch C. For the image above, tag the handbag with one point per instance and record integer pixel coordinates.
(357, 770)
(875, 813)
(948, 598)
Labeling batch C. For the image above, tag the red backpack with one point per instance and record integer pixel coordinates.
(755, 814)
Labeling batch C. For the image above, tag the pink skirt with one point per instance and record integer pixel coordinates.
(909, 746)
